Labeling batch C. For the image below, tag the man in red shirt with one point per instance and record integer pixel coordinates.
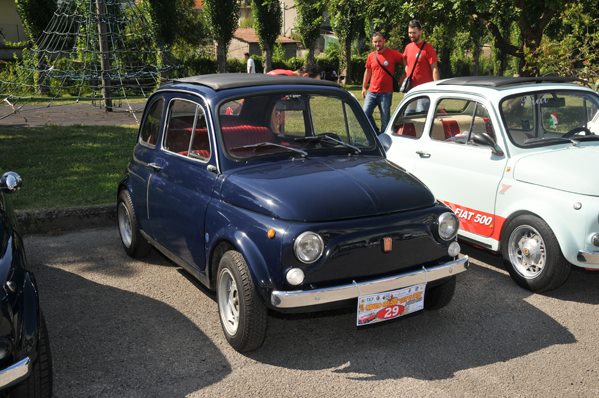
(377, 86)
(425, 68)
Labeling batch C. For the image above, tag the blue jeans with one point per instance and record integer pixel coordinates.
(383, 101)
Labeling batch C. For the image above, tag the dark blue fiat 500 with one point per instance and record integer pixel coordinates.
(275, 192)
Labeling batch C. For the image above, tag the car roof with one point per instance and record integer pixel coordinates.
(224, 81)
(501, 81)
(496, 87)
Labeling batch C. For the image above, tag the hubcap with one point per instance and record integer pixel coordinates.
(527, 251)
(125, 225)
(228, 302)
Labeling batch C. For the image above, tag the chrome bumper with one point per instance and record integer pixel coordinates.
(588, 257)
(304, 298)
(15, 373)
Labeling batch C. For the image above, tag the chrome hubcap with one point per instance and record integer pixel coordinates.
(527, 251)
(228, 302)
(124, 224)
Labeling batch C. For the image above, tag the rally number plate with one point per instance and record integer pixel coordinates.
(379, 307)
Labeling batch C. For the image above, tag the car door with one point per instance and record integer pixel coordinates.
(183, 179)
(144, 154)
(464, 175)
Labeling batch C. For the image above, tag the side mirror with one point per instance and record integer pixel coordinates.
(10, 182)
(485, 139)
(386, 141)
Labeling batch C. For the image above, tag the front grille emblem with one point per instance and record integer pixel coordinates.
(387, 245)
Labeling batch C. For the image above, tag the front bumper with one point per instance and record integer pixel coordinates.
(305, 298)
(15, 373)
(588, 257)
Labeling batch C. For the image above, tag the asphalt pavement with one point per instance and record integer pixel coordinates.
(125, 328)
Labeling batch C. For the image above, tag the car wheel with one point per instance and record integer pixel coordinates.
(243, 316)
(133, 242)
(39, 382)
(532, 254)
(439, 296)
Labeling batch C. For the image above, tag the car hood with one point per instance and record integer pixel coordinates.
(324, 189)
(569, 169)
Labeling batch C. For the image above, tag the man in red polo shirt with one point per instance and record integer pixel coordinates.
(377, 86)
(425, 68)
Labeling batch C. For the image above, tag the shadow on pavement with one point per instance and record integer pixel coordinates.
(487, 322)
(119, 343)
(582, 286)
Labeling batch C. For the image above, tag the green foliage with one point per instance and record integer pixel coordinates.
(222, 17)
(268, 19)
(175, 20)
(347, 17)
(308, 21)
(574, 48)
(35, 15)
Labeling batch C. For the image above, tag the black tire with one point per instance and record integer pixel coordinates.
(39, 382)
(133, 242)
(439, 296)
(520, 254)
(248, 331)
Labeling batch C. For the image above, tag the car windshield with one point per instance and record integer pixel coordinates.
(551, 117)
(291, 125)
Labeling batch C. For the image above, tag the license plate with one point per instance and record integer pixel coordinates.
(379, 307)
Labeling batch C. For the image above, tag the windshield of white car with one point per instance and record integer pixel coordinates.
(551, 117)
(271, 124)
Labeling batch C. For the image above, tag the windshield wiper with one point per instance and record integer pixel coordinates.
(551, 139)
(271, 144)
(331, 139)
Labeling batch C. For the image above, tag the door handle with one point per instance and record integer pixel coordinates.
(155, 166)
(424, 155)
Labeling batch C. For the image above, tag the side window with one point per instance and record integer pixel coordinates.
(151, 125)
(455, 120)
(411, 119)
(181, 117)
(200, 144)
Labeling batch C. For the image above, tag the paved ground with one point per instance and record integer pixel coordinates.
(69, 114)
(123, 328)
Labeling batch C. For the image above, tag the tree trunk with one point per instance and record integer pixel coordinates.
(221, 56)
(444, 62)
(476, 50)
(345, 62)
(267, 57)
(311, 61)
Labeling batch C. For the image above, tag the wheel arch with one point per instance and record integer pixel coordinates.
(233, 239)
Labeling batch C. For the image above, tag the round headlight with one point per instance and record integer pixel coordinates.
(595, 240)
(448, 226)
(308, 247)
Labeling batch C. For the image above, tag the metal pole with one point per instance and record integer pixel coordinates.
(104, 55)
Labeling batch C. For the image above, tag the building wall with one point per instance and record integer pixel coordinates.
(10, 23)
(289, 15)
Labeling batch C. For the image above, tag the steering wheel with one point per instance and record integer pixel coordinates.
(577, 130)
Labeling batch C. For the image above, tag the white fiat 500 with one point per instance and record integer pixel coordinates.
(517, 159)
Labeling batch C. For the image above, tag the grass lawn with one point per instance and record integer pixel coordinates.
(65, 166)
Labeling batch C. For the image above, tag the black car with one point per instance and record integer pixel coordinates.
(25, 360)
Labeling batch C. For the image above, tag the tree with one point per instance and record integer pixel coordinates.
(35, 15)
(532, 17)
(308, 22)
(176, 20)
(346, 17)
(223, 17)
(268, 19)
